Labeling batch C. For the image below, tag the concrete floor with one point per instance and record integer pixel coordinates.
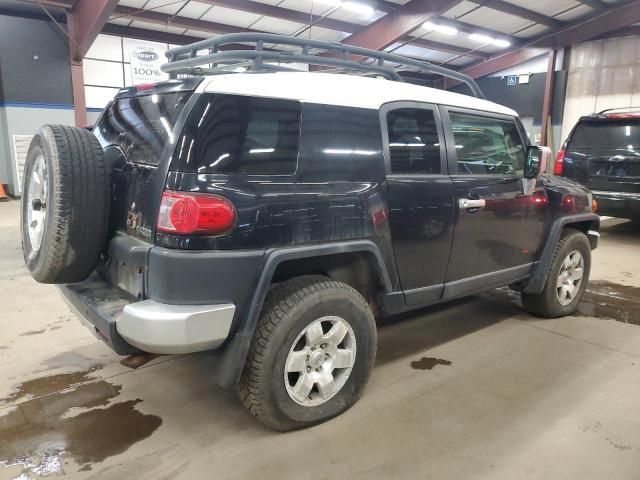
(471, 390)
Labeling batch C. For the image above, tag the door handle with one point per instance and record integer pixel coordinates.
(469, 204)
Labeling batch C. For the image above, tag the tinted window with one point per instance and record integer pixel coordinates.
(237, 134)
(623, 134)
(487, 145)
(414, 146)
(340, 143)
(141, 126)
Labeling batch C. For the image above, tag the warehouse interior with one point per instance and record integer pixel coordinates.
(473, 388)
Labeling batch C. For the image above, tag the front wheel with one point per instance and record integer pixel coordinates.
(567, 278)
(311, 354)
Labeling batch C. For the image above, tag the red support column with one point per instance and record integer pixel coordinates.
(79, 102)
(84, 22)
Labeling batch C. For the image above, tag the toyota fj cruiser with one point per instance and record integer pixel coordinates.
(274, 215)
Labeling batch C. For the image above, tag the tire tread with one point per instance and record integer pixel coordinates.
(280, 300)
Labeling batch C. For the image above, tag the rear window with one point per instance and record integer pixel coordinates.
(141, 126)
(233, 134)
(618, 134)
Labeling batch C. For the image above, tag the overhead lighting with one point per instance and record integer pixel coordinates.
(501, 43)
(358, 7)
(446, 29)
(479, 37)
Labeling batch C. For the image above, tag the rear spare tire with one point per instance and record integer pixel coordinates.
(65, 204)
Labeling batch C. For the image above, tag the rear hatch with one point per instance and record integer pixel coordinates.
(603, 153)
(137, 132)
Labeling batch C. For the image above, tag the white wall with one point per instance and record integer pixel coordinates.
(26, 121)
(107, 67)
(602, 74)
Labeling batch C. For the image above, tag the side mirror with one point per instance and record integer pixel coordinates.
(537, 161)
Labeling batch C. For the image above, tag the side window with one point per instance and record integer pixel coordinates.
(233, 134)
(414, 145)
(487, 145)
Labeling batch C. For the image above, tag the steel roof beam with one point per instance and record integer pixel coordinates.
(285, 14)
(159, 18)
(164, 19)
(163, 37)
(85, 20)
(525, 13)
(397, 24)
(595, 4)
(602, 23)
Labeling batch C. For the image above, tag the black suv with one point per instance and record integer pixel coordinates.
(602, 152)
(275, 215)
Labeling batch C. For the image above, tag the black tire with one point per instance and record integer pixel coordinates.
(76, 205)
(546, 304)
(288, 310)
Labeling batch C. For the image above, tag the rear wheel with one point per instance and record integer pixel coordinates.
(567, 278)
(311, 354)
(65, 204)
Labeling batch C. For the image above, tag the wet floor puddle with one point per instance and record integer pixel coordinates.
(605, 300)
(611, 301)
(79, 423)
(429, 363)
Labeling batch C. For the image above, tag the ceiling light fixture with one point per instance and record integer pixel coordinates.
(479, 37)
(501, 43)
(446, 29)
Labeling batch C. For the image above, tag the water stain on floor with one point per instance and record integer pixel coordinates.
(601, 299)
(46, 385)
(40, 435)
(429, 363)
(611, 301)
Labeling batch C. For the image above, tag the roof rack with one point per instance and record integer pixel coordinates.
(185, 59)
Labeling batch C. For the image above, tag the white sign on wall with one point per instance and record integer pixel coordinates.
(145, 64)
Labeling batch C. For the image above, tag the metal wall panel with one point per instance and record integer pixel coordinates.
(602, 74)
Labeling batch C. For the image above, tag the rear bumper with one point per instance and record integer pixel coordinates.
(618, 204)
(129, 326)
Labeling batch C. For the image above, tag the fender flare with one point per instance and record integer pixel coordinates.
(536, 282)
(234, 355)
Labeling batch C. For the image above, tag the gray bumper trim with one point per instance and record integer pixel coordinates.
(162, 328)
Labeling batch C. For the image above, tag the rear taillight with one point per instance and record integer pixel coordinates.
(558, 167)
(195, 213)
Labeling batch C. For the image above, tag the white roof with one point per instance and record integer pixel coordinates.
(337, 89)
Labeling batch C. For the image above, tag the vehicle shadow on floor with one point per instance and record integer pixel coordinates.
(410, 333)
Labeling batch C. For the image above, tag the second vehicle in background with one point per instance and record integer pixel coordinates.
(602, 152)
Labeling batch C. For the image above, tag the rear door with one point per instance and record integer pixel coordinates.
(604, 154)
(420, 196)
(137, 133)
(486, 157)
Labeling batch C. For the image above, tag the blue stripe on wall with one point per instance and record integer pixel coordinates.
(51, 106)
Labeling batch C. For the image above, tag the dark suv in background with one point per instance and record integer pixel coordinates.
(602, 152)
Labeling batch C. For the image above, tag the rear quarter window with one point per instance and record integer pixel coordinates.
(234, 134)
(141, 126)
